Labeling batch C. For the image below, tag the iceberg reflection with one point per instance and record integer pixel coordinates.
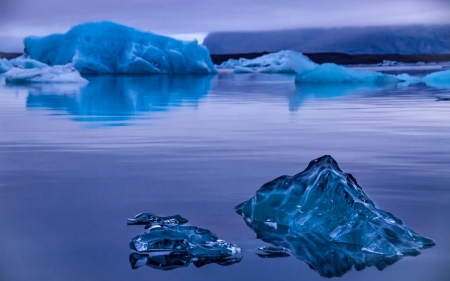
(329, 259)
(120, 98)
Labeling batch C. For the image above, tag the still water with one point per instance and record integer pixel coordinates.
(76, 162)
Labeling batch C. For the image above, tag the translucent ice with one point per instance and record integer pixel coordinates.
(107, 47)
(330, 73)
(5, 65)
(324, 200)
(281, 62)
(167, 243)
(20, 62)
(48, 74)
(329, 259)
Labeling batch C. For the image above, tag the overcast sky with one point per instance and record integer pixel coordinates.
(195, 18)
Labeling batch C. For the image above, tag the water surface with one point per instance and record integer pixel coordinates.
(75, 163)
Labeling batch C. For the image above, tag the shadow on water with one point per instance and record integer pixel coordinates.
(110, 99)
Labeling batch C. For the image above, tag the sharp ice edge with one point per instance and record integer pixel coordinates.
(107, 47)
(332, 205)
(177, 244)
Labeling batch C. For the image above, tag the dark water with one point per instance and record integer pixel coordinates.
(76, 163)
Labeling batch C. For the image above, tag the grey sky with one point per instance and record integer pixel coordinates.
(19, 18)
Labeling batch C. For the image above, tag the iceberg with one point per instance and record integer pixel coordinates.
(20, 62)
(330, 73)
(47, 74)
(325, 201)
(5, 65)
(281, 62)
(106, 47)
(168, 244)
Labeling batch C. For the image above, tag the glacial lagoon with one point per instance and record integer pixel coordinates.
(77, 161)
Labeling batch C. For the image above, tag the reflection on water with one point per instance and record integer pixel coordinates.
(329, 259)
(119, 98)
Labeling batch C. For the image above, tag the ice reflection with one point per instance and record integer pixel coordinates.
(329, 259)
(109, 99)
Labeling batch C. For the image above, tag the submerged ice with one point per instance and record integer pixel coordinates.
(107, 47)
(168, 244)
(325, 201)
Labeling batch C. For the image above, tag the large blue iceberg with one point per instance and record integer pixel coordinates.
(107, 47)
(168, 244)
(325, 201)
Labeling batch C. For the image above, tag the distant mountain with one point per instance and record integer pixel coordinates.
(414, 39)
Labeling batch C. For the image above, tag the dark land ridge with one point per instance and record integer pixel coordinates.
(339, 58)
(9, 56)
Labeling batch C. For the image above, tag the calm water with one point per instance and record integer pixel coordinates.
(75, 163)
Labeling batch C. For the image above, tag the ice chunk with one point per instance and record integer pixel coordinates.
(24, 62)
(281, 62)
(5, 65)
(167, 243)
(169, 261)
(107, 47)
(151, 220)
(330, 73)
(329, 259)
(48, 74)
(324, 200)
(273, 252)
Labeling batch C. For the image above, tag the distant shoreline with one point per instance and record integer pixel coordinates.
(339, 58)
(347, 59)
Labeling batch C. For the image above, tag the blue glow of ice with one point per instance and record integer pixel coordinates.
(324, 200)
(107, 47)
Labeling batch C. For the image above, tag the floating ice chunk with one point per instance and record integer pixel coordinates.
(5, 65)
(48, 74)
(440, 79)
(281, 62)
(330, 73)
(324, 200)
(241, 70)
(273, 252)
(24, 62)
(389, 63)
(107, 47)
(151, 220)
(167, 243)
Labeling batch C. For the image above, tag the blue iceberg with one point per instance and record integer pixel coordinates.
(168, 244)
(330, 73)
(107, 47)
(322, 200)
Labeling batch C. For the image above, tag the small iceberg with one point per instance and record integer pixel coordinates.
(20, 62)
(281, 62)
(330, 73)
(168, 244)
(110, 48)
(325, 204)
(45, 74)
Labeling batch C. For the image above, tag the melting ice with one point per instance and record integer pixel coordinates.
(325, 208)
(168, 244)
